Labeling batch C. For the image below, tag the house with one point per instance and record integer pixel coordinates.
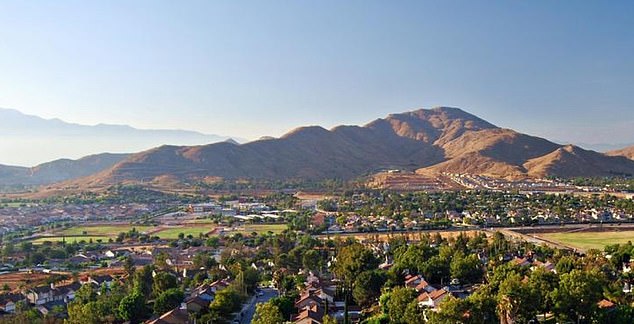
(546, 265)
(8, 301)
(424, 286)
(79, 259)
(310, 315)
(41, 295)
(522, 262)
(197, 304)
(175, 316)
(49, 294)
(605, 304)
(47, 308)
(67, 292)
(432, 299)
(98, 280)
(325, 294)
(204, 292)
(308, 301)
(413, 281)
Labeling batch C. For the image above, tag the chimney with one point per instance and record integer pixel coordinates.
(183, 306)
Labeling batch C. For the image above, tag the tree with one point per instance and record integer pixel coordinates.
(168, 300)
(128, 266)
(267, 313)
(516, 301)
(542, 282)
(143, 280)
(565, 265)
(577, 295)
(162, 282)
(352, 260)
(452, 310)
(436, 269)
(367, 287)
(285, 304)
(84, 313)
(311, 259)
(399, 298)
(414, 314)
(247, 280)
(226, 301)
(468, 269)
(132, 307)
(160, 261)
(327, 319)
(203, 260)
(86, 294)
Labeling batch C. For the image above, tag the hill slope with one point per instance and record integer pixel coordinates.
(59, 170)
(430, 141)
(627, 152)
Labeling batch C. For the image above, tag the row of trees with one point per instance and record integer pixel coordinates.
(503, 290)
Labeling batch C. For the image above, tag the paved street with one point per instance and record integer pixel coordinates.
(249, 310)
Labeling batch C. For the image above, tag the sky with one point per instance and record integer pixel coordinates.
(557, 69)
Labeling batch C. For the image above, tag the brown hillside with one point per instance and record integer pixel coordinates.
(430, 141)
(627, 152)
(573, 161)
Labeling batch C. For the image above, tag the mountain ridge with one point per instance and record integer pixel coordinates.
(426, 141)
(29, 140)
(58, 170)
(627, 152)
(437, 140)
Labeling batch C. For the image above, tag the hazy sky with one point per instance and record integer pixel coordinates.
(559, 69)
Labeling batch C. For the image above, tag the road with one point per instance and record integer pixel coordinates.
(249, 310)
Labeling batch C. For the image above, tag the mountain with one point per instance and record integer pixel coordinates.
(572, 161)
(627, 152)
(28, 140)
(426, 141)
(59, 170)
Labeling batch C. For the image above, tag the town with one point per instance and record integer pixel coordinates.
(350, 256)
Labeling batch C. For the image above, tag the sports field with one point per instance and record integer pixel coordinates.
(71, 239)
(171, 233)
(262, 228)
(105, 230)
(590, 240)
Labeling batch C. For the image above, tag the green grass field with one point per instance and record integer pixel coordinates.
(200, 221)
(172, 233)
(591, 240)
(106, 230)
(111, 231)
(70, 239)
(263, 228)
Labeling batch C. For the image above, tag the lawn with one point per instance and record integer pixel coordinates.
(263, 228)
(70, 239)
(105, 230)
(172, 232)
(200, 221)
(591, 240)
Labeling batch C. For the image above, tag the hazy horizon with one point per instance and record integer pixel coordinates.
(558, 70)
(17, 149)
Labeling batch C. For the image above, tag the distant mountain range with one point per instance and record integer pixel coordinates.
(28, 140)
(425, 141)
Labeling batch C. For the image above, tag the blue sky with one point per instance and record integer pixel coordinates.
(558, 69)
